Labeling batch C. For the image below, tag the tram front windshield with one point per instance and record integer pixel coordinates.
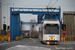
(51, 29)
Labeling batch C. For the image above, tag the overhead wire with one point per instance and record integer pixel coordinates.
(49, 3)
(55, 3)
(52, 5)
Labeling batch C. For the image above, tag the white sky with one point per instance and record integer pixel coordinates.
(29, 17)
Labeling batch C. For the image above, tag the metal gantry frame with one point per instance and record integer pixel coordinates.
(16, 25)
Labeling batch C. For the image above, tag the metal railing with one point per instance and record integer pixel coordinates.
(69, 37)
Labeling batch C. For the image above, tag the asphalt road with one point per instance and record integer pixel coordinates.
(35, 44)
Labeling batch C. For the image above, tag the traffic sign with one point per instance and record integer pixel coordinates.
(64, 31)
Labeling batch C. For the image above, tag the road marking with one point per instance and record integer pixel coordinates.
(33, 40)
(67, 48)
(8, 43)
(23, 47)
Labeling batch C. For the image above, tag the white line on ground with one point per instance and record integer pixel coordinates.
(33, 40)
(23, 47)
(8, 43)
(30, 42)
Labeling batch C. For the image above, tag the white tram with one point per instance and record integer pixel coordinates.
(49, 31)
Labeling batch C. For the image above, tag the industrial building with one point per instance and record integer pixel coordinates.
(0, 16)
(69, 20)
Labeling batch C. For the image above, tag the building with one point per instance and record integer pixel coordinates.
(0, 16)
(26, 33)
(69, 20)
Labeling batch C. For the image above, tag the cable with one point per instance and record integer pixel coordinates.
(54, 3)
(49, 3)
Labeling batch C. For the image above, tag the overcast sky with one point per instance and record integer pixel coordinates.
(66, 5)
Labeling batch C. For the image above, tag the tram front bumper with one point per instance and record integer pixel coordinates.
(51, 41)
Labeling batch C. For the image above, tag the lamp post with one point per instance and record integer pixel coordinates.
(8, 13)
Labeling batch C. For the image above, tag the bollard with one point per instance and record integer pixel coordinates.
(64, 39)
(9, 38)
(70, 37)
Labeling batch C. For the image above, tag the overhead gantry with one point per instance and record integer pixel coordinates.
(43, 13)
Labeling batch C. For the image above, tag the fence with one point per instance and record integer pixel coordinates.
(69, 37)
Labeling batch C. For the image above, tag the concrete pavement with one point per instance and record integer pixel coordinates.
(35, 44)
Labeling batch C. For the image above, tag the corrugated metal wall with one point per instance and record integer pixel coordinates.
(0, 18)
(69, 20)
